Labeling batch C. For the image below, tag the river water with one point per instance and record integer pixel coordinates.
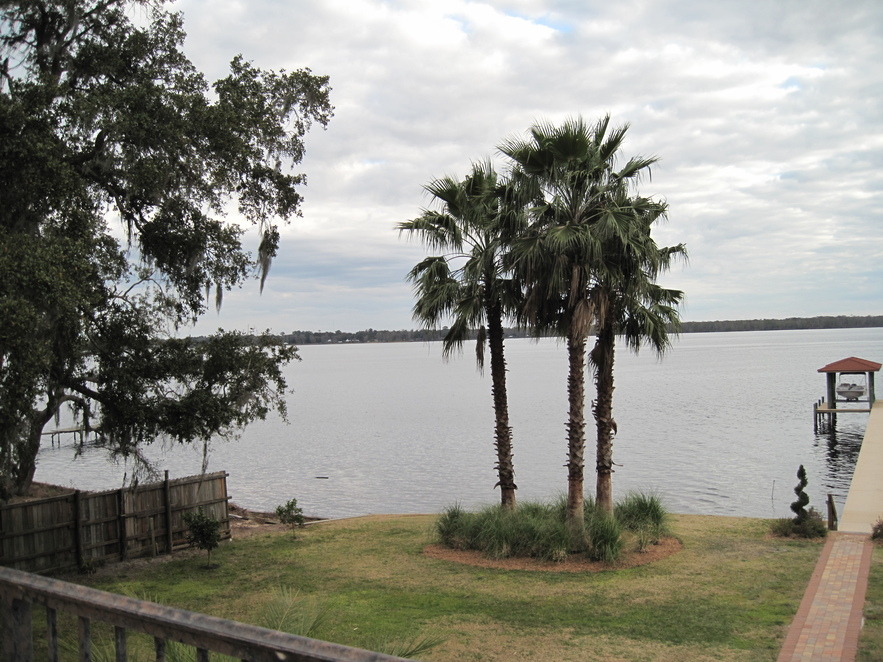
(718, 426)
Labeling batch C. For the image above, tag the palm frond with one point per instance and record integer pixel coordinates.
(436, 230)
(480, 342)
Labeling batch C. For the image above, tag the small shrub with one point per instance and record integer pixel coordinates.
(290, 514)
(783, 527)
(877, 530)
(812, 526)
(203, 532)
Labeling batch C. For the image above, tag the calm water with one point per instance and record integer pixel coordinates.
(719, 426)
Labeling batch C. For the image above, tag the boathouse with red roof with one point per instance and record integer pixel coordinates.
(838, 387)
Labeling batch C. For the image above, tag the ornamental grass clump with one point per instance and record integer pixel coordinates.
(605, 538)
(531, 529)
(539, 530)
(644, 516)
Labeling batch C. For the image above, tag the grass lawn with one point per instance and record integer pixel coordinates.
(870, 647)
(729, 594)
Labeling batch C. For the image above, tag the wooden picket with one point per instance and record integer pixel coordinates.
(83, 529)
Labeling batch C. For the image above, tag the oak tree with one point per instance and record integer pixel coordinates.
(120, 170)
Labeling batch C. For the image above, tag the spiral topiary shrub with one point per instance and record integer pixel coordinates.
(799, 507)
(807, 522)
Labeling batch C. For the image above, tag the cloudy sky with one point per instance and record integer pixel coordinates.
(767, 118)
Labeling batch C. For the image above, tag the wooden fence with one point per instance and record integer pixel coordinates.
(84, 529)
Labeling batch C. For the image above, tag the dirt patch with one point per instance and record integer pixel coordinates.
(246, 523)
(665, 548)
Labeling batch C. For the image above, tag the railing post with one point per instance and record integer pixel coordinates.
(832, 513)
(18, 644)
(52, 634)
(85, 637)
(119, 636)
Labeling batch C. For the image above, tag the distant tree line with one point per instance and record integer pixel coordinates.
(431, 335)
(787, 324)
(376, 335)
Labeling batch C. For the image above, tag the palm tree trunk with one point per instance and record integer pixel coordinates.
(502, 430)
(576, 431)
(602, 360)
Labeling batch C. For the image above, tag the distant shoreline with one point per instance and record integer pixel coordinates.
(717, 326)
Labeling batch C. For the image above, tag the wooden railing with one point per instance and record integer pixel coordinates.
(20, 590)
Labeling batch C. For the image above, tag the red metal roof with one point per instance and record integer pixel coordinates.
(852, 364)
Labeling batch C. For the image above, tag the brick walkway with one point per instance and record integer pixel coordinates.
(828, 622)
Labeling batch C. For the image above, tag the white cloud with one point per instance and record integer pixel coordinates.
(766, 117)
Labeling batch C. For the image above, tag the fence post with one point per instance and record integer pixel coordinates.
(18, 643)
(168, 493)
(121, 524)
(78, 534)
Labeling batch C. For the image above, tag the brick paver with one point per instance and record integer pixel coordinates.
(828, 622)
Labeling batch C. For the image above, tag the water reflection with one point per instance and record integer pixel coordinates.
(839, 445)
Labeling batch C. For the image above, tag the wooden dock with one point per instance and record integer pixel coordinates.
(824, 415)
(824, 408)
(864, 502)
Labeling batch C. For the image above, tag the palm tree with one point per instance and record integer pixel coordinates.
(572, 170)
(628, 302)
(470, 283)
